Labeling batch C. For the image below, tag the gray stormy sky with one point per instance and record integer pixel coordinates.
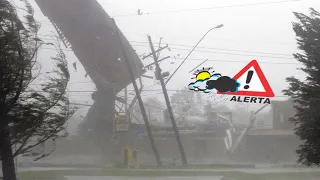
(263, 28)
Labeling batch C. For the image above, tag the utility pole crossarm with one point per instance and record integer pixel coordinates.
(155, 52)
(158, 61)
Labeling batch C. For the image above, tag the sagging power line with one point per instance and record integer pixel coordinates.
(222, 49)
(205, 8)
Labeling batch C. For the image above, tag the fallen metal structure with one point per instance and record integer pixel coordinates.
(88, 30)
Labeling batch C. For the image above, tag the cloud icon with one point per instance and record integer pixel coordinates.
(215, 82)
(201, 85)
(223, 84)
(202, 77)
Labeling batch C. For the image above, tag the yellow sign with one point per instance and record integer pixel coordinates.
(122, 123)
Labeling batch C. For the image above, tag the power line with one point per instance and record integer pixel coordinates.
(240, 54)
(236, 54)
(206, 52)
(221, 39)
(219, 53)
(80, 82)
(216, 39)
(199, 59)
(151, 90)
(206, 8)
(222, 49)
(226, 61)
(202, 47)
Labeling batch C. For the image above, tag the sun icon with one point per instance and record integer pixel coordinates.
(202, 74)
(203, 77)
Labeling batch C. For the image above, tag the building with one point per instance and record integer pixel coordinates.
(282, 112)
(276, 145)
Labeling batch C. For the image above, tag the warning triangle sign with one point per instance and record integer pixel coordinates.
(252, 82)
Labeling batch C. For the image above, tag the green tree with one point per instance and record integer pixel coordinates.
(306, 94)
(29, 116)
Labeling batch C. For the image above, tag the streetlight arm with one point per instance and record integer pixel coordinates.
(219, 26)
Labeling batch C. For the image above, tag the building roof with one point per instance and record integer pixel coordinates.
(284, 106)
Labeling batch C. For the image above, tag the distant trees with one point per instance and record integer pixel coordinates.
(193, 103)
(185, 101)
(29, 116)
(154, 109)
(306, 94)
(208, 108)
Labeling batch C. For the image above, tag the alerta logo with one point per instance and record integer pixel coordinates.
(250, 81)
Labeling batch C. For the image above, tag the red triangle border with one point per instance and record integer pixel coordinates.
(268, 91)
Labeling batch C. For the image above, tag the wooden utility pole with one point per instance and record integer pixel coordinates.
(143, 111)
(173, 122)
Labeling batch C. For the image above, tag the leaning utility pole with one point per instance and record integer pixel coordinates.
(173, 122)
(143, 111)
(249, 126)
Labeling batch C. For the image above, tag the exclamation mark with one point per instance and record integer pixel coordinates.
(249, 77)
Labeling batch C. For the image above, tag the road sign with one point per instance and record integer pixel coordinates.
(122, 122)
(253, 82)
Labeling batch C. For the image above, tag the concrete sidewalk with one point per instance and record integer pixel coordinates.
(244, 170)
(141, 178)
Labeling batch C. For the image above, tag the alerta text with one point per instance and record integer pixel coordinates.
(247, 99)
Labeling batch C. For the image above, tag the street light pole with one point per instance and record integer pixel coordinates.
(219, 26)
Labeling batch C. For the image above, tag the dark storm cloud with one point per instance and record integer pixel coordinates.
(223, 84)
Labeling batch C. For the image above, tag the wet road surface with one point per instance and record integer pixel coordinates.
(140, 178)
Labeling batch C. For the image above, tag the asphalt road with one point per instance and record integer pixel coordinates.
(141, 178)
(245, 170)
